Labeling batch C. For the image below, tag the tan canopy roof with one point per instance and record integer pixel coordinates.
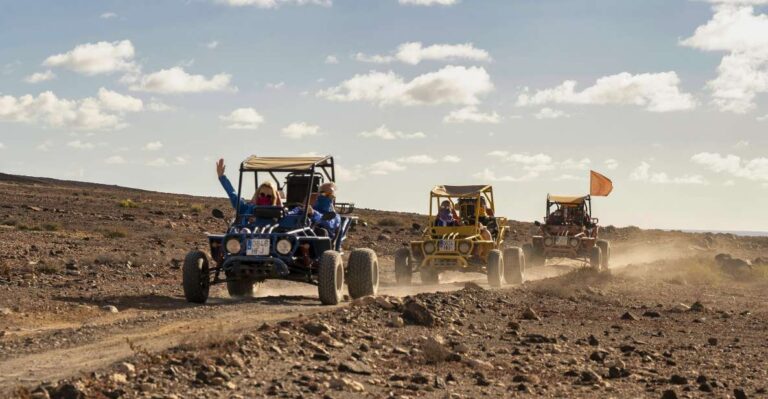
(284, 163)
(459, 191)
(567, 199)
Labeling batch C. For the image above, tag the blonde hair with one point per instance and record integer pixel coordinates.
(272, 191)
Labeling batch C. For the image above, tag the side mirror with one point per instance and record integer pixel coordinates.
(217, 213)
(537, 223)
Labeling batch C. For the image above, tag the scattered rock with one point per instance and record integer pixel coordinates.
(344, 383)
(712, 341)
(472, 286)
(739, 393)
(434, 349)
(698, 307)
(530, 314)
(110, 309)
(678, 380)
(592, 340)
(354, 368)
(417, 313)
(669, 394)
(384, 303)
(316, 328)
(652, 314)
(629, 316)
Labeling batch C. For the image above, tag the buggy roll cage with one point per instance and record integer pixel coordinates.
(272, 165)
(475, 193)
(583, 201)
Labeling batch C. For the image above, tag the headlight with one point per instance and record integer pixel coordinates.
(283, 247)
(549, 241)
(464, 247)
(245, 231)
(429, 247)
(233, 246)
(574, 242)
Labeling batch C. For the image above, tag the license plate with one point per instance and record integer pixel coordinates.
(561, 241)
(258, 247)
(446, 245)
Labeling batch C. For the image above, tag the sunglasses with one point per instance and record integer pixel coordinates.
(263, 195)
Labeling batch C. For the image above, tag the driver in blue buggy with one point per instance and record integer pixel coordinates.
(322, 213)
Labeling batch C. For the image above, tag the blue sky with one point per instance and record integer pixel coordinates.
(665, 97)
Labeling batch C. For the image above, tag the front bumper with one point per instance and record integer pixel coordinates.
(255, 267)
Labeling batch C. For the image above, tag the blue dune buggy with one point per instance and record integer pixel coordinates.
(276, 242)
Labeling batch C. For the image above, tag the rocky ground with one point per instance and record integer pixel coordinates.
(90, 295)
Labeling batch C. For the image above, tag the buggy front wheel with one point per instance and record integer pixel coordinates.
(495, 268)
(605, 248)
(403, 268)
(596, 258)
(195, 278)
(330, 278)
(240, 288)
(514, 265)
(363, 273)
(429, 276)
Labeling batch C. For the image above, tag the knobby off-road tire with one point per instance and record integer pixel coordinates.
(514, 265)
(240, 288)
(429, 276)
(605, 247)
(495, 268)
(330, 278)
(362, 273)
(195, 277)
(596, 258)
(403, 268)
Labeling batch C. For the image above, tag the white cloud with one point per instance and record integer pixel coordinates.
(108, 15)
(418, 159)
(490, 176)
(762, 118)
(212, 44)
(743, 71)
(657, 92)
(754, 169)
(274, 3)
(2, 146)
(156, 105)
(579, 164)
(414, 53)
(103, 113)
(549, 113)
(96, 58)
(385, 167)
(300, 130)
(611, 164)
(429, 2)
(471, 114)
(344, 174)
(451, 159)
(276, 86)
(741, 144)
(643, 173)
(114, 101)
(449, 85)
(115, 160)
(382, 132)
(80, 145)
(331, 59)
(162, 162)
(38, 77)
(45, 146)
(153, 146)
(176, 80)
(243, 118)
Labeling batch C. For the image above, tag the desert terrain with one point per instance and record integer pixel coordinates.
(91, 306)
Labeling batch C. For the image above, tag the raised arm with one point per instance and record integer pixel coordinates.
(227, 185)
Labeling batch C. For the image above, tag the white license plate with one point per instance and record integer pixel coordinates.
(258, 247)
(446, 245)
(561, 241)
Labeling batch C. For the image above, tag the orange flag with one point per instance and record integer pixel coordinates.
(599, 185)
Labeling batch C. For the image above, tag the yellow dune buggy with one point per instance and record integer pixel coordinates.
(463, 234)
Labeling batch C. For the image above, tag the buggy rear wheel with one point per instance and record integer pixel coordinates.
(403, 269)
(596, 258)
(240, 288)
(362, 273)
(514, 265)
(330, 278)
(430, 276)
(605, 247)
(495, 268)
(195, 277)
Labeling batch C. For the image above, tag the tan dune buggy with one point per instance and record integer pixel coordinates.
(568, 231)
(471, 243)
